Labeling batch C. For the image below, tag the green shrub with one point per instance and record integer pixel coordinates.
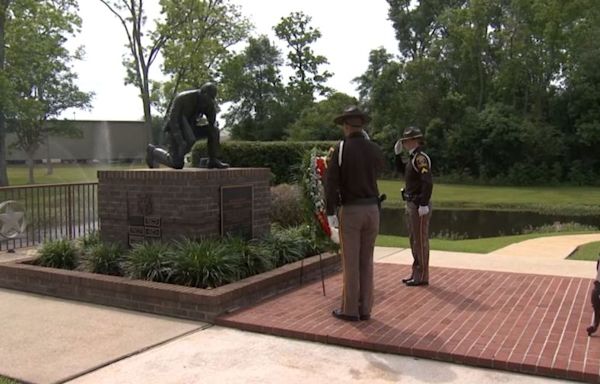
(251, 258)
(103, 258)
(286, 245)
(287, 205)
(149, 261)
(89, 240)
(58, 254)
(203, 264)
(283, 157)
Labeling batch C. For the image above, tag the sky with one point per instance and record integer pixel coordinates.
(350, 29)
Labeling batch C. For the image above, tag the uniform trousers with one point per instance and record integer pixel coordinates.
(596, 303)
(418, 229)
(359, 226)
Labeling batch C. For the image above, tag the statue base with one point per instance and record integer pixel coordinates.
(166, 204)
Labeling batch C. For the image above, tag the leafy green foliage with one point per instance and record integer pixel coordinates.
(252, 81)
(90, 240)
(251, 258)
(286, 246)
(200, 36)
(316, 122)
(58, 254)
(287, 208)
(203, 264)
(298, 34)
(103, 258)
(150, 261)
(507, 92)
(284, 158)
(38, 80)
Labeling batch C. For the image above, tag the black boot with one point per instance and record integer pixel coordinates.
(161, 156)
(216, 164)
(213, 147)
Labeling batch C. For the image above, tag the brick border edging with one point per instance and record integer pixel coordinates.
(160, 298)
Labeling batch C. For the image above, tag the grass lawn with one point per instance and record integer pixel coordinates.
(4, 380)
(484, 245)
(63, 173)
(562, 199)
(588, 251)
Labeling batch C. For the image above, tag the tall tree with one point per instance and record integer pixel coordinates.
(308, 79)
(3, 87)
(144, 45)
(252, 81)
(316, 122)
(39, 71)
(194, 54)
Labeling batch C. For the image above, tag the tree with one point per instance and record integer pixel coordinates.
(316, 122)
(194, 54)
(307, 79)
(252, 81)
(144, 46)
(3, 87)
(39, 71)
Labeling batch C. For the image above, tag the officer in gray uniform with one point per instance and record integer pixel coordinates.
(182, 131)
(417, 194)
(351, 190)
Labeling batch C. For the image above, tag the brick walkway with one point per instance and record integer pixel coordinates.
(524, 323)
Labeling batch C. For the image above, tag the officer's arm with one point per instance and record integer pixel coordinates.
(332, 183)
(422, 165)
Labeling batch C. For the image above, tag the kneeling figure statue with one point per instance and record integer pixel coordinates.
(181, 130)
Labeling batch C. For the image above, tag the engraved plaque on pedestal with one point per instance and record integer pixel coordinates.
(237, 211)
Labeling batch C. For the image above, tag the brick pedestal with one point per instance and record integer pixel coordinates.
(166, 204)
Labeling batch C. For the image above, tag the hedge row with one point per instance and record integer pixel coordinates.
(283, 157)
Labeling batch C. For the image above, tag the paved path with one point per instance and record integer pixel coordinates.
(523, 323)
(223, 355)
(544, 256)
(47, 340)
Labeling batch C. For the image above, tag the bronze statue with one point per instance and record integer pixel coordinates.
(182, 131)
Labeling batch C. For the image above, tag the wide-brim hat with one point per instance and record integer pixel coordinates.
(411, 133)
(352, 112)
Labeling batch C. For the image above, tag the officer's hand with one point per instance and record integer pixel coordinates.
(398, 147)
(423, 210)
(333, 221)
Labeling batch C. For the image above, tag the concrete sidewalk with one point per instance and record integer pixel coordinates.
(48, 340)
(542, 256)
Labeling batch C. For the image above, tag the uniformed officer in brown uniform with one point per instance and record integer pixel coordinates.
(351, 185)
(417, 194)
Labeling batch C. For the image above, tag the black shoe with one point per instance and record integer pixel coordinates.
(150, 156)
(412, 283)
(591, 329)
(337, 313)
(407, 280)
(217, 164)
(365, 317)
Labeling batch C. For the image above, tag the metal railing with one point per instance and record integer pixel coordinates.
(51, 212)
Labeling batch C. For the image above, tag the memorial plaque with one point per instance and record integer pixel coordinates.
(237, 211)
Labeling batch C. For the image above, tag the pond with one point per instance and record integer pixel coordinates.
(470, 224)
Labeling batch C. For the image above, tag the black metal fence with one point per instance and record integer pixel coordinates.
(56, 211)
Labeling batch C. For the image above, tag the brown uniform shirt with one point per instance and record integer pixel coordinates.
(362, 161)
(417, 175)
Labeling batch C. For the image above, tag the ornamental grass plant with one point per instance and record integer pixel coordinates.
(150, 261)
(103, 258)
(251, 258)
(61, 254)
(203, 264)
